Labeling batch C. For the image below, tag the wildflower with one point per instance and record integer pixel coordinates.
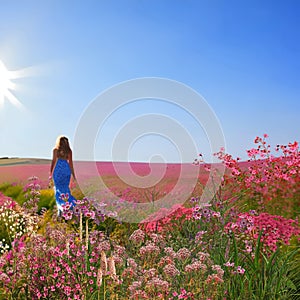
(128, 272)
(119, 250)
(195, 266)
(203, 256)
(171, 271)
(134, 286)
(206, 212)
(112, 267)
(99, 277)
(140, 294)
(185, 295)
(165, 261)
(194, 199)
(183, 253)
(240, 270)
(229, 264)
(248, 248)
(137, 236)
(103, 263)
(158, 284)
(64, 197)
(104, 246)
(66, 206)
(218, 269)
(131, 262)
(68, 215)
(197, 215)
(149, 249)
(4, 278)
(150, 273)
(90, 214)
(112, 214)
(169, 251)
(214, 278)
(93, 239)
(156, 238)
(199, 235)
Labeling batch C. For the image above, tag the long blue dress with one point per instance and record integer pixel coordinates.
(61, 178)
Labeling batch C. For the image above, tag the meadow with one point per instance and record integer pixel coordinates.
(242, 244)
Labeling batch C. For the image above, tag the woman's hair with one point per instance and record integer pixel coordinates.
(62, 146)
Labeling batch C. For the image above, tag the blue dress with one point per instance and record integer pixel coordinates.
(61, 178)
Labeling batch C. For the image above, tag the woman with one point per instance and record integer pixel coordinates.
(61, 171)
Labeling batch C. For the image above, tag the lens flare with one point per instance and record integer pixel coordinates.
(7, 86)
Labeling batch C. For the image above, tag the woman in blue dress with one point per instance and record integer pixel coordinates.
(61, 171)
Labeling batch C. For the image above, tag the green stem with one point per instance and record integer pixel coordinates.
(104, 289)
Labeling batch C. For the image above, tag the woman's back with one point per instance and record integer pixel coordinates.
(62, 154)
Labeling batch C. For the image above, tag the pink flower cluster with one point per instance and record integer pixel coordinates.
(149, 250)
(234, 270)
(60, 270)
(205, 213)
(171, 270)
(265, 176)
(274, 229)
(7, 202)
(164, 217)
(87, 208)
(137, 237)
(182, 295)
(196, 266)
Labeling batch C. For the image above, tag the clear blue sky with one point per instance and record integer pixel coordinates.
(243, 57)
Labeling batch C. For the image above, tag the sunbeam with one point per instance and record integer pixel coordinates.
(7, 86)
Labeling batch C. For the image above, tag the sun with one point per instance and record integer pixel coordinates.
(7, 86)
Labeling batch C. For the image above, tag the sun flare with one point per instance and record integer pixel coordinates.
(7, 86)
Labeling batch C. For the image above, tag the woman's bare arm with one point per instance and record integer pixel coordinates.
(71, 165)
(54, 159)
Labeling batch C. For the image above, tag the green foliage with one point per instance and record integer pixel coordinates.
(266, 276)
(47, 199)
(122, 230)
(16, 192)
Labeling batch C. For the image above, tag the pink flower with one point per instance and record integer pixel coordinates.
(171, 271)
(229, 264)
(137, 236)
(248, 248)
(195, 266)
(64, 197)
(90, 214)
(68, 215)
(183, 253)
(149, 249)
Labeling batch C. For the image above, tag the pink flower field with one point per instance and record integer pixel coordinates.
(242, 242)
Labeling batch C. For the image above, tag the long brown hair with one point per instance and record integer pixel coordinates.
(63, 147)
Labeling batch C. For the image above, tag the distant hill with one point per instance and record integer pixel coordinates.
(10, 161)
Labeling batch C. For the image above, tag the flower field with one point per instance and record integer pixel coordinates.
(243, 244)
